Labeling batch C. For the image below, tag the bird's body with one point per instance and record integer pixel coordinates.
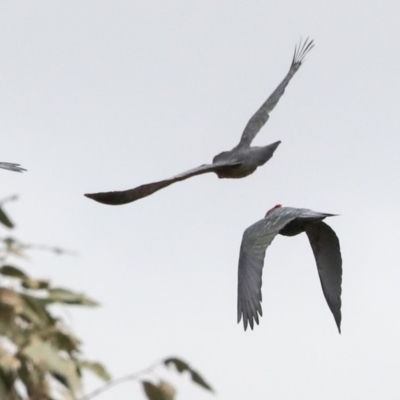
(11, 167)
(288, 221)
(239, 162)
(248, 159)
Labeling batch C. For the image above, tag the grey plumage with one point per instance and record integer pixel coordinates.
(288, 221)
(11, 167)
(239, 162)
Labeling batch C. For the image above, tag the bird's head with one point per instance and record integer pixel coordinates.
(273, 209)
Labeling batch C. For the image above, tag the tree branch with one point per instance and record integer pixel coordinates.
(123, 379)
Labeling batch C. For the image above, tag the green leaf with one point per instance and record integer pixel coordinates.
(60, 295)
(35, 380)
(48, 359)
(35, 311)
(30, 308)
(9, 328)
(96, 368)
(61, 379)
(61, 339)
(66, 341)
(13, 272)
(182, 366)
(200, 381)
(35, 284)
(153, 392)
(5, 220)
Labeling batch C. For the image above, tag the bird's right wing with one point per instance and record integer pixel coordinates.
(256, 239)
(326, 249)
(11, 167)
(128, 196)
(258, 120)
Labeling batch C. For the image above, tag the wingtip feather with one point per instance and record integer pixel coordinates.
(301, 50)
(104, 198)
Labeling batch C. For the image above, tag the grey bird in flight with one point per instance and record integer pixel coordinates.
(288, 221)
(239, 162)
(11, 167)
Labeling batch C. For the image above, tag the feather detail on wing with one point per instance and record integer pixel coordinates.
(128, 196)
(11, 167)
(255, 242)
(258, 120)
(326, 249)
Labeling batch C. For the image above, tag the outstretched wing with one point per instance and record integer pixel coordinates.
(326, 249)
(256, 239)
(258, 120)
(128, 196)
(11, 167)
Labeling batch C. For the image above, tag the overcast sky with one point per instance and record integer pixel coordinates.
(100, 95)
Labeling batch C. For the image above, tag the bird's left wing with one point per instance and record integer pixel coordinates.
(127, 196)
(258, 120)
(11, 167)
(256, 239)
(326, 249)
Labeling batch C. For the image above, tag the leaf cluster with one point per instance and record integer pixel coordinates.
(40, 358)
(164, 390)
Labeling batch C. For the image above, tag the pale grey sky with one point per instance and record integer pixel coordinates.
(99, 95)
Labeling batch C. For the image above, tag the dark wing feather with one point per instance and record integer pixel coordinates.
(326, 249)
(258, 120)
(256, 239)
(11, 167)
(128, 196)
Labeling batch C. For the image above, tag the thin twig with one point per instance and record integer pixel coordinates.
(13, 197)
(51, 249)
(118, 381)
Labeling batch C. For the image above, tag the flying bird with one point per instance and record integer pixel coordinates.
(11, 167)
(239, 162)
(288, 221)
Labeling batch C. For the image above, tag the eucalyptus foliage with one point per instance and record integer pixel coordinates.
(40, 357)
